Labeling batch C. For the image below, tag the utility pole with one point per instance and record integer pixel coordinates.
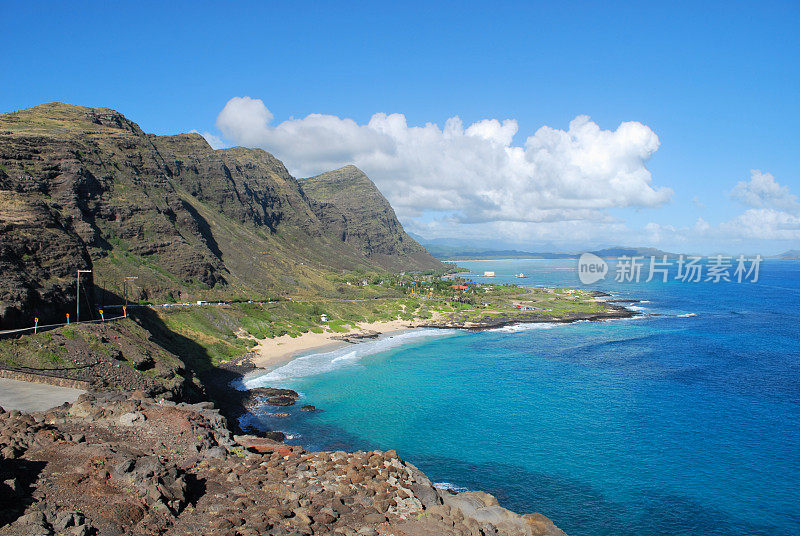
(78, 295)
(125, 287)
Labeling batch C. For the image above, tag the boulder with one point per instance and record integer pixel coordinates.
(484, 509)
(269, 395)
(214, 452)
(542, 526)
(426, 494)
(128, 419)
(280, 400)
(262, 445)
(143, 362)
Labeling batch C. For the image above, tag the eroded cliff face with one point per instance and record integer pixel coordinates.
(84, 188)
(350, 204)
(39, 253)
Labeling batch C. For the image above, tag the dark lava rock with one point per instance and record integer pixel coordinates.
(275, 436)
(143, 362)
(180, 472)
(269, 395)
(280, 400)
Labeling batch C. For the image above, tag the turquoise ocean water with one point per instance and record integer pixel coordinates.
(661, 425)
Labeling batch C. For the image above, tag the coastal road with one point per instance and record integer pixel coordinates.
(29, 396)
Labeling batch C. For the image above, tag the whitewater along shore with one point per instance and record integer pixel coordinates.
(270, 353)
(123, 461)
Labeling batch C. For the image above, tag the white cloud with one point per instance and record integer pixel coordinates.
(566, 233)
(763, 191)
(775, 216)
(473, 172)
(214, 141)
(763, 224)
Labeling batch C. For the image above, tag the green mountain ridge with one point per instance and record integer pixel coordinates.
(351, 206)
(86, 188)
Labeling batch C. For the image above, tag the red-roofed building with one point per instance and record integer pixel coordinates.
(460, 287)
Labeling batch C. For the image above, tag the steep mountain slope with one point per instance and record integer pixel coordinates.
(347, 201)
(84, 188)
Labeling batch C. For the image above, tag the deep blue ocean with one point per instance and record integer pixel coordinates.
(658, 425)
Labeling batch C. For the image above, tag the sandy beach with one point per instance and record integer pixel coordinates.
(272, 352)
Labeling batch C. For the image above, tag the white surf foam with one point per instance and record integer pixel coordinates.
(686, 315)
(320, 363)
(517, 328)
(346, 357)
(448, 485)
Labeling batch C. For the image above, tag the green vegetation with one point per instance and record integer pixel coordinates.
(229, 330)
(181, 222)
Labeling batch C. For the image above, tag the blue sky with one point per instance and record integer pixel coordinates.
(717, 83)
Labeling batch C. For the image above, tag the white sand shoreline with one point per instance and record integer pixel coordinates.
(271, 353)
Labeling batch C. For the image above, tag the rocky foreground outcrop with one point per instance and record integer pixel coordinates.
(121, 463)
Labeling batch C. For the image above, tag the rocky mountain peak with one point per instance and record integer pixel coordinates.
(59, 117)
(86, 188)
(349, 202)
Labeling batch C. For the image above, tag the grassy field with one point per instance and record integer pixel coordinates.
(228, 331)
(206, 335)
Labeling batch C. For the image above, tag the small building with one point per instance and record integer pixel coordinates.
(460, 287)
(323, 318)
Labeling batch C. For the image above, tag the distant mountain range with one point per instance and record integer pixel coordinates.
(455, 251)
(792, 254)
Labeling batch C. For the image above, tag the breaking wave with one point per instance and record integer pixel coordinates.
(320, 363)
(517, 328)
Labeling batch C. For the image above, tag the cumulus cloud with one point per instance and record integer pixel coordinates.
(774, 215)
(475, 173)
(763, 191)
(763, 224)
(775, 212)
(658, 234)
